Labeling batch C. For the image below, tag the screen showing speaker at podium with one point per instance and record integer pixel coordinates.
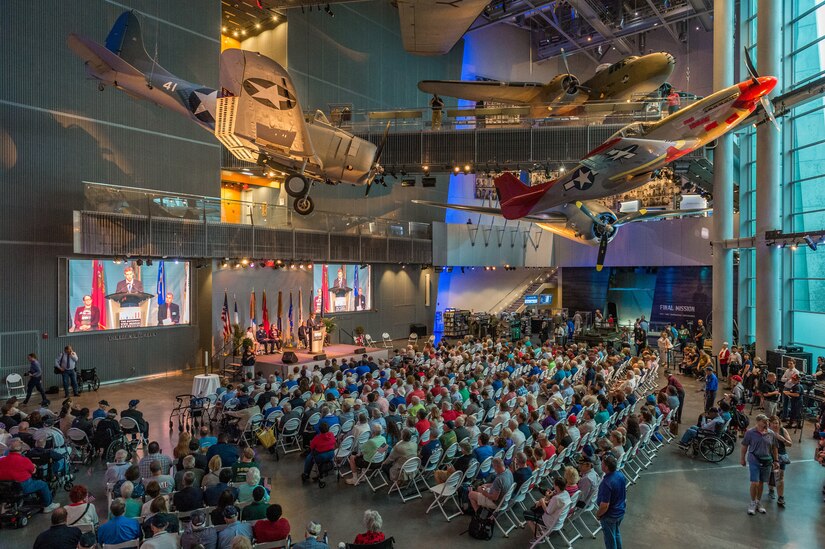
(342, 288)
(108, 295)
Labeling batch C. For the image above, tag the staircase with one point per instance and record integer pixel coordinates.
(533, 287)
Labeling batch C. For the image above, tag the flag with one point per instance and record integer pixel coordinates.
(184, 299)
(356, 289)
(312, 308)
(300, 306)
(237, 318)
(265, 313)
(280, 311)
(252, 308)
(99, 291)
(227, 329)
(161, 287)
(324, 290)
(289, 317)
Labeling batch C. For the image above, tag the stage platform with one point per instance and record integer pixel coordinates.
(273, 364)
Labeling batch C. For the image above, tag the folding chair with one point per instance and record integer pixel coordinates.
(342, 453)
(518, 498)
(290, 436)
(14, 385)
(446, 491)
(132, 544)
(388, 543)
(374, 470)
(545, 533)
(589, 509)
(385, 339)
(284, 543)
(273, 417)
(250, 433)
(429, 467)
(131, 427)
(501, 511)
(405, 476)
(369, 341)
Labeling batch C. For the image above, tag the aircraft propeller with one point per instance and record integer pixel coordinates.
(766, 103)
(607, 230)
(570, 83)
(376, 169)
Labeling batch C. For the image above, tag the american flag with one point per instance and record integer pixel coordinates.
(227, 328)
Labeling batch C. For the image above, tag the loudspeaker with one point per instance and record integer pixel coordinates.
(428, 181)
(360, 351)
(322, 356)
(408, 182)
(289, 357)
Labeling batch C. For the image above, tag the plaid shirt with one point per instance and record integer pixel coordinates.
(165, 464)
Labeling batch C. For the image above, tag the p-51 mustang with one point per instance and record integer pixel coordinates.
(567, 206)
(256, 115)
(564, 95)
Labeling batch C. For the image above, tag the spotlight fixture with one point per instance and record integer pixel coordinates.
(328, 10)
(235, 34)
(425, 169)
(139, 262)
(810, 242)
(117, 260)
(466, 168)
(244, 262)
(224, 264)
(149, 262)
(456, 169)
(793, 247)
(309, 266)
(257, 25)
(449, 269)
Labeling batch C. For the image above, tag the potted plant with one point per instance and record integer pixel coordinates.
(329, 324)
(359, 335)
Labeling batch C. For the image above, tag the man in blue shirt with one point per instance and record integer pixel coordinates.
(611, 502)
(233, 528)
(35, 374)
(118, 529)
(711, 385)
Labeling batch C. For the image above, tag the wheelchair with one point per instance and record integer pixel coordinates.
(712, 447)
(55, 473)
(121, 441)
(89, 379)
(16, 508)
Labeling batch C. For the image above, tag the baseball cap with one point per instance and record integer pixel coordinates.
(709, 368)
(736, 378)
(198, 518)
(103, 403)
(572, 419)
(230, 511)
(450, 424)
(313, 528)
(134, 402)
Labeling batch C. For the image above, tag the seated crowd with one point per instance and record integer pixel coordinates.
(497, 408)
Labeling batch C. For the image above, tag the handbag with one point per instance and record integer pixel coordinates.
(784, 459)
(481, 528)
(674, 428)
(267, 437)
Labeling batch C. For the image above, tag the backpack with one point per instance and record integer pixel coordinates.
(739, 420)
(481, 528)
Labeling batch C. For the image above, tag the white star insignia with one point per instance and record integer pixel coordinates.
(206, 102)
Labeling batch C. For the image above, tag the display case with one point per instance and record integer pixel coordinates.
(456, 322)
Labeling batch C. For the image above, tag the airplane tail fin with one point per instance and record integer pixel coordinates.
(516, 198)
(125, 40)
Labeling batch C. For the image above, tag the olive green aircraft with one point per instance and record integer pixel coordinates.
(565, 95)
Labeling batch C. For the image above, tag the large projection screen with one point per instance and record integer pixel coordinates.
(342, 288)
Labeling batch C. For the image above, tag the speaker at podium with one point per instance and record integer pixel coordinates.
(130, 308)
(316, 345)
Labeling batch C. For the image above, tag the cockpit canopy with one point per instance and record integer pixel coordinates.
(636, 129)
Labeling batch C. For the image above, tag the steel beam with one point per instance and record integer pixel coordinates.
(586, 10)
(670, 31)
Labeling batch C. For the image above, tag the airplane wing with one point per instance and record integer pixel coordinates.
(653, 215)
(432, 27)
(550, 217)
(499, 92)
(621, 159)
(267, 113)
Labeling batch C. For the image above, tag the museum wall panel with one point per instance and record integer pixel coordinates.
(57, 130)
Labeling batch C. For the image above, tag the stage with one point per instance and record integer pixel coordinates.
(273, 364)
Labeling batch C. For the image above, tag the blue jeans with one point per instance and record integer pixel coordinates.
(32, 486)
(612, 536)
(70, 375)
(689, 435)
(318, 458)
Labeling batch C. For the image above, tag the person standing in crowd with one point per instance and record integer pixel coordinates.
(793, 397)
(760, 454)
(35, 375)
(665, 345)
(611, 500)
(711, 386)
(783, 442)
(66, 365)
(699, 335)
(724, 360)
(437, 106)
(770, 394)
(639, 338)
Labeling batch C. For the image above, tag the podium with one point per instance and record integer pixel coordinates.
(130, 309)
(316, 345)
(340, 300)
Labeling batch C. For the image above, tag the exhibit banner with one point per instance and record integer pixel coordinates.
(108, 295)
(682, 295)
(342, 288)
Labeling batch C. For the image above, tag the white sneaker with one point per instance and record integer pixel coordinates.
(352, 481)
(51, 507)
(760, 508)
(752, 508)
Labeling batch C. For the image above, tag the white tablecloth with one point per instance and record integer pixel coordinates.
(205, 384)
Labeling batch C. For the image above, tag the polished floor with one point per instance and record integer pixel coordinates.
(678, 502)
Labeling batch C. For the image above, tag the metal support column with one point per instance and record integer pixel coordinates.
(768, 187)
(723, 39)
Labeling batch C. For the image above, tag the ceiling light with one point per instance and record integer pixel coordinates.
(243, 32)
(223, 29)
(235, 34)
(257, 25)
(456, 169)
(275, 18)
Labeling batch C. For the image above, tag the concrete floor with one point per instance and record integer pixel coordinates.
(678, 502)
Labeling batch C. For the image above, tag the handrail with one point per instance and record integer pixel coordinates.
(521, 288)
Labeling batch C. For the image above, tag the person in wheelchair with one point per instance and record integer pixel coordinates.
(107, 430)
(18, 468)
(321, 450)
(53, 463)
(709, 423)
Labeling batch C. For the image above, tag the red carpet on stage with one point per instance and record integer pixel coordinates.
(273, 364)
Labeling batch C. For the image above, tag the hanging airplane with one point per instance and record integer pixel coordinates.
(256, 115)
(567, 206)
(564, 95)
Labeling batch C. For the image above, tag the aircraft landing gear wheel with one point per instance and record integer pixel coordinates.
(304, 205)
(296, 185)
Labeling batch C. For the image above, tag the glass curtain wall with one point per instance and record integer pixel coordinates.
(803, 176)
